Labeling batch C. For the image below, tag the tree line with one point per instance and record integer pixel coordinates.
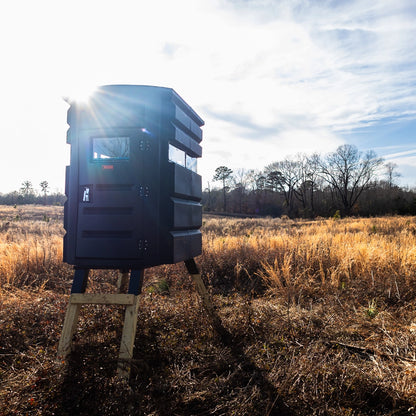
(344, 182)
(27, 194)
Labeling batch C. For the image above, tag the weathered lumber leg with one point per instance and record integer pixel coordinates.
(130, 325)
(123, 278)
(70, 324)
(127, 339)
(71, 317)
(206, 300)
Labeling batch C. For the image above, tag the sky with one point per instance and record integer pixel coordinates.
(270, 78)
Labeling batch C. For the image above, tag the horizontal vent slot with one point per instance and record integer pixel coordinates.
(108, 211)
(106, 234)
(113, 187)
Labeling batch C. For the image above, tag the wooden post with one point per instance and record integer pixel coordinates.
(130, 324)
(68, 330)
(206, 300)
(122, 281)
(127, 339)
(79, 285)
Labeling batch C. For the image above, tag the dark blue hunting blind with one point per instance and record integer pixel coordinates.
(133, 194)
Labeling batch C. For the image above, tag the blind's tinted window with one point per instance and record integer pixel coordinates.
(116, 148)
(181, 158)
(176, 155)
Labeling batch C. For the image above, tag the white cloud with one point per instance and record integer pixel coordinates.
(401, 155)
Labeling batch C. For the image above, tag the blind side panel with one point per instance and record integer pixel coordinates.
(186, 214)
(188, 124)
(180, 138)
(186, 184)
(186, 244)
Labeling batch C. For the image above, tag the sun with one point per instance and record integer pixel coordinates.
(80, 93)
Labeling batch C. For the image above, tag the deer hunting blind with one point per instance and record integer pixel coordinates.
(133, 196)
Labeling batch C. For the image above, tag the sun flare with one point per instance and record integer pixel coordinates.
(80, 93)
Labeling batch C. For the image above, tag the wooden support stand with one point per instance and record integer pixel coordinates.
(131, 301)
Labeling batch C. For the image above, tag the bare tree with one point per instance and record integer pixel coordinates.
(260, 181)
(208, 189)
(308, 169)
(241, 180)
(27, 193)
(391, 173)
(44, 185)
(223, 174)
(258, 185)
(284, 177)
(349, 172)
(27, 188)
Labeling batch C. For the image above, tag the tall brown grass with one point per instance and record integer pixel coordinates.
(31, 246)
(376, 253)
(250, 255)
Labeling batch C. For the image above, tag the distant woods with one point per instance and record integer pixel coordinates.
(344, 182)
(28, 194)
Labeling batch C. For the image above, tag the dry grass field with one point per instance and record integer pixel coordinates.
(322, 315)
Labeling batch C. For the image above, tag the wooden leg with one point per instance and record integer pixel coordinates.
(209, 306)
(123, 279)
(203, 293)
(127, 339)
(201, 289)
(206, 300)
(79, 285)
(70, 324)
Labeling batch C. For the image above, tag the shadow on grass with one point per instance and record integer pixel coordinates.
(224, 382)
